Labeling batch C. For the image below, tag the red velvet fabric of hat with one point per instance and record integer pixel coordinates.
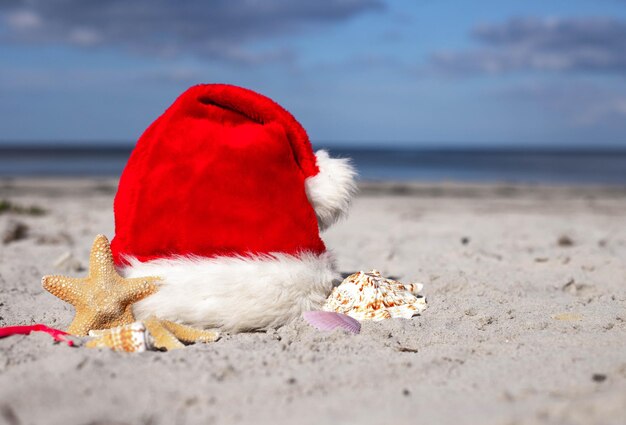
(221, 173)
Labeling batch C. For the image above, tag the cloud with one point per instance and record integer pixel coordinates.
(581, 104)
(541, 44)
(218, 29)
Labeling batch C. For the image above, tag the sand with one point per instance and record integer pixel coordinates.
(526, 321)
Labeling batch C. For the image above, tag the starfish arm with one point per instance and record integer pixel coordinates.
(69, 289)
(188, 334)
(83, 322)
(138, 288)
(162, 338)
(101, 259)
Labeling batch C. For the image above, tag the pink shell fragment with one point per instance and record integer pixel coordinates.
(328, 320)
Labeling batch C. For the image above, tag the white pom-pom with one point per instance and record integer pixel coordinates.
(331, 190)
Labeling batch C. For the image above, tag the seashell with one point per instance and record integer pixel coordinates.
(132, 338)
(369, 296)
(329, 320)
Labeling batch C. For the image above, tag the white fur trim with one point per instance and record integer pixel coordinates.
(331, 190)
(235, 293)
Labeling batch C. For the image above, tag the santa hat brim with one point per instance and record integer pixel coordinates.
(251, 292)
(235, 293)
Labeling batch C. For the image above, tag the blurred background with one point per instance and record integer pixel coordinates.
(513, 91)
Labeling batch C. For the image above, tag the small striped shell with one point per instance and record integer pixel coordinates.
(132, 338)
(369, 296)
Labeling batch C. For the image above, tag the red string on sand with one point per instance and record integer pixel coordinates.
(56, 334)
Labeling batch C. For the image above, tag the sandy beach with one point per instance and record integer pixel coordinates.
(526, 323)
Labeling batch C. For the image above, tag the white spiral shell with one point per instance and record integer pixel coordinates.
(369, 296)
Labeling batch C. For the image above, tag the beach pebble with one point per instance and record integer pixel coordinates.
(598, 377)
(14, 231)
(57, 239)
(68, 263)
(567, 317)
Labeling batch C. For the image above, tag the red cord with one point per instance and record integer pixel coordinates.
(56, 334)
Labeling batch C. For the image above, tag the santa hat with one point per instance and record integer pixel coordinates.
(224, 199)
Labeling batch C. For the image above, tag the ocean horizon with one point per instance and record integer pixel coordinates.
(552, 165)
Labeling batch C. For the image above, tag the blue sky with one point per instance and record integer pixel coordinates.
(354, 72)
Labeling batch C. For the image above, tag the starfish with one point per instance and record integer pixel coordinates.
(103, 299)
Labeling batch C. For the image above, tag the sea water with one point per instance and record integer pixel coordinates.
(430, 165)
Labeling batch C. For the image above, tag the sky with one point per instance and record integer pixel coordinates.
(432, 73)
